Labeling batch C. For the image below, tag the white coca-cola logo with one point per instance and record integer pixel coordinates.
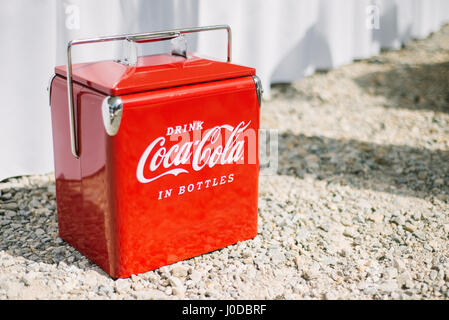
(205, 151)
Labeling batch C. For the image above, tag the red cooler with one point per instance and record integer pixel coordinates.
(156, 160)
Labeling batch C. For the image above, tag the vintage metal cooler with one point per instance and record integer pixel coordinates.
(155, 161)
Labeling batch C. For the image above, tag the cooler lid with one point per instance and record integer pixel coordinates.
(152, 72)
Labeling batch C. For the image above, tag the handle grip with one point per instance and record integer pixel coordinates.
(151, 37)
(138, 38)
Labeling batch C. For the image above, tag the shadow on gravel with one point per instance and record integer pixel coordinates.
(415, 87)
(29, 222)
(395, 169)
(29, 229)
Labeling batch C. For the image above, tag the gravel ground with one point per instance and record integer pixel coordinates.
(358, 208)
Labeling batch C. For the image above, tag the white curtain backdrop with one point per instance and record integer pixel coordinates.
(283, 39)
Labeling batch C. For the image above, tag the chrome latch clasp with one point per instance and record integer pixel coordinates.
(179, 46)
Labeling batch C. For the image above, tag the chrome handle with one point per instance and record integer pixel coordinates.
(137, 37)
(150, 37)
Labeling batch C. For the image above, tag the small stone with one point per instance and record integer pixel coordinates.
(446, 228)
(422, 175)
(174, 282)
(149, 294)
(371, 290)
(179, 271)
(6, 196)
(277, 256)
(177, 286)
(10, 206)
(404, 280)
(349, 232)
(297, 261)
(417, 216)
(122, 286)
(420, 235)
(439, 182)
(195, 276)
(361, 285)
(10, 213)
(337, 198)
(302, 235)
(399, 264)
(168, 291)
(390, 273)
(399, 220)
(137, 286)
(28, 278)
(330, 295)
(90, 278)
(312, 158)
(312, 272)
(396, 238)
(58, 250)
(376, 217)
(70, 283)
(34, 203)
(39, 232)
(347, 222)
(433, 274)
(410, 227)
(388, 286)
(395, 295)
(344, 252)
(210, 293)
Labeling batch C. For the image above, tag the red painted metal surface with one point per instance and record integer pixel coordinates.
(171, 184)
(152, 72)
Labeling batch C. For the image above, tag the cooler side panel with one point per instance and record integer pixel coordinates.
(67, 169)
(83, 185)
(96, 183)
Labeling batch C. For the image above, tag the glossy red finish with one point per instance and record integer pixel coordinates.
(109, 209)
(81, 193)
